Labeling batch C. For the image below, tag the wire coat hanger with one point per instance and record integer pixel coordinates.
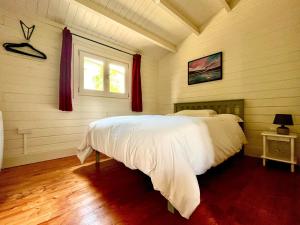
(11, 47)
(27, 32)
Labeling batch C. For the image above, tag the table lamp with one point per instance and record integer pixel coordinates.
(283, 119)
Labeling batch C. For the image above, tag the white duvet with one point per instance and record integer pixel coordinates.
(172, 150)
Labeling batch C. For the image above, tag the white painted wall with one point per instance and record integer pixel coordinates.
(29, 95)
(261, 63)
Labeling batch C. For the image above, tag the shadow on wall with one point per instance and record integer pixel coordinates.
(233, 3)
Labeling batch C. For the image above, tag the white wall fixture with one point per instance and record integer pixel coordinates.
(1, 140)
(25, 132)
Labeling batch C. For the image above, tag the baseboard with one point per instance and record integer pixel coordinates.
(37, 157)
(252, 154)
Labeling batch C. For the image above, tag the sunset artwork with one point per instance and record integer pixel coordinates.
(205, 69)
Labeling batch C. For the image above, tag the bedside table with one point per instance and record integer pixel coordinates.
(273, 136)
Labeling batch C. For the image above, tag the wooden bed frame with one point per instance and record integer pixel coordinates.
(235, 107)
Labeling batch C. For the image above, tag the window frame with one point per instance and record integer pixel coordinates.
(106, 62)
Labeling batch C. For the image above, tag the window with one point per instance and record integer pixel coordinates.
(117, 78)
(93, 74)
(102, 76)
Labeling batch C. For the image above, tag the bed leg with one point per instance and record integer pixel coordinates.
(171, 208)
(97, 157)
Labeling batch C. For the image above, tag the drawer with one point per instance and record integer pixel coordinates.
(273, 138)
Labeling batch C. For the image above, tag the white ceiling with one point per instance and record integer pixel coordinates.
(146, 14)
(198, 11)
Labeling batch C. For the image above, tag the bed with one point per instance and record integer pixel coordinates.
(170, 149)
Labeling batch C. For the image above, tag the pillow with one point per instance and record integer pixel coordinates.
(171, 114)
(200, 112)
(230, 116)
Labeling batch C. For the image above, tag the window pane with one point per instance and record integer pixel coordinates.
(93, 74)
(117, 78)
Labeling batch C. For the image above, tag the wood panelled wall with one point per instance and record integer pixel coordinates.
(260, 41)
(29, 95)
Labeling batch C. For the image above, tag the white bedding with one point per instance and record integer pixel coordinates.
(169, 149)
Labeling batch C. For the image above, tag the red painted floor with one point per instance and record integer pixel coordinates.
(240, 191)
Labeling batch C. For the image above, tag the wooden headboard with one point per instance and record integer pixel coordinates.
(235, 106)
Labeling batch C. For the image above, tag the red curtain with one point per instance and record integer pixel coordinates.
(65, 88)
(136, 88)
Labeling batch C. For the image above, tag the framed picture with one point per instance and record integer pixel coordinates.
(205, 69)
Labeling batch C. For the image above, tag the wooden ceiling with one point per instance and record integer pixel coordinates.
(145, 25)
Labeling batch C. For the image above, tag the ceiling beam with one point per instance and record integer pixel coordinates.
(126, 23)
(165, 5)
(225, 5)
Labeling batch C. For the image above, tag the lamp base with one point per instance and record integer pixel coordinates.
(283, 130)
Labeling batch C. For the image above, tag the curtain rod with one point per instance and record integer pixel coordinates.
(102, 44)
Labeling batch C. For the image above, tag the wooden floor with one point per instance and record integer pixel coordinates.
(64, 192)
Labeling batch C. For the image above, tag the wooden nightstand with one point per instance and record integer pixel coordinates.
(273, 136)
